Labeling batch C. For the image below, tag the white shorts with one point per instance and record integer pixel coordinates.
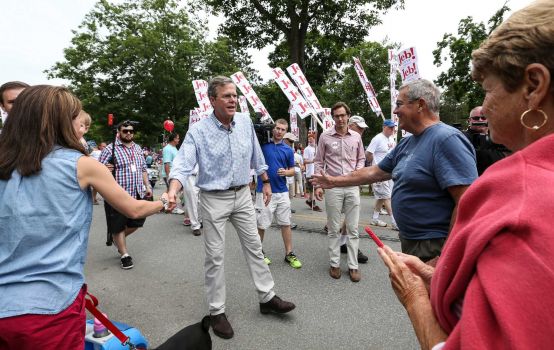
(279, 205)
(382, 190)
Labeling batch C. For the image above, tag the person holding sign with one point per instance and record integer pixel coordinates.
(431, 170)
(225, 148)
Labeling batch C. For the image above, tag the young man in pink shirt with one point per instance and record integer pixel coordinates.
(339, 152)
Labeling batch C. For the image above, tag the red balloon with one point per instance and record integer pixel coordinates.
(168, 125)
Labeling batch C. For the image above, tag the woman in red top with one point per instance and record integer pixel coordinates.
(493, 285)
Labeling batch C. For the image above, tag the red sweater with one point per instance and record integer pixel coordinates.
(499, 258)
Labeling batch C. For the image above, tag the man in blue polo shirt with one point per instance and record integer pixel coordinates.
(280, 160)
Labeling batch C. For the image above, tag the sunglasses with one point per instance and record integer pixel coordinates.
(127, 131)
(479, 117)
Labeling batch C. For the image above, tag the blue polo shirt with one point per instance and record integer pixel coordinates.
(423, 167)
(277, 155)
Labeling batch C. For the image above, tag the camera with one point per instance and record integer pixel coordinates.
(263, 128)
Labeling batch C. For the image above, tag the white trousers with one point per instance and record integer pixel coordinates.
(192, 195)
(343, 200)
(217, 208)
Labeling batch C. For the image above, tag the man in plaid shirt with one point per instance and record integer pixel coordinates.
(131, 174)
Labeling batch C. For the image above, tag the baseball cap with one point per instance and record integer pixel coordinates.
(358, 120)
(389, 123)
(290, 136)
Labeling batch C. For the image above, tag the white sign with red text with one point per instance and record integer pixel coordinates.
(328, 121)
(302, 83)
(244, 86)
(295, 97)
(243, 104)
(368, 88)
(407, 64)
(201, 93)
(294, 122)
(195, 116)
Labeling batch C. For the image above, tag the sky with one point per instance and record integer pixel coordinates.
(33, 33)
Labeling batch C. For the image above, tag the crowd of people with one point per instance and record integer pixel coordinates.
(471, 208)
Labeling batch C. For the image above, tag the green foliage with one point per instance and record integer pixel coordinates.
(461, 92)
(137, 60)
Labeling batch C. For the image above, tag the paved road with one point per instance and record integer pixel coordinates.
(165, 290)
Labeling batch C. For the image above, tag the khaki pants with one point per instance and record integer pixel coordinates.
(217, 208)
(343, 200)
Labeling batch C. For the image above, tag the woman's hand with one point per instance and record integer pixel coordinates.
(408, 286)
(418, 267)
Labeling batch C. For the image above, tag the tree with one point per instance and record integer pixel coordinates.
(461, 92)
(137, 59)
(345, 85)
(310, 33)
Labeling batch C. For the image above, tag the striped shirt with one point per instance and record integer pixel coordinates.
(129, 166)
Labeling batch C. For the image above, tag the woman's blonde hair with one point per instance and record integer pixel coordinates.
(526, 37)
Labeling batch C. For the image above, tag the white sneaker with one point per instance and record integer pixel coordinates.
(177, 211)
(383, 212)
(378, 222)
(394, 227)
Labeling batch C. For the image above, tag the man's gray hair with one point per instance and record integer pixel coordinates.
(426, 90)
(216, 82)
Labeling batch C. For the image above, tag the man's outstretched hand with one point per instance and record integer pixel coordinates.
(322, 180)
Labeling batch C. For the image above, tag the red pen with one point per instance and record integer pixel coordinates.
(374, 237)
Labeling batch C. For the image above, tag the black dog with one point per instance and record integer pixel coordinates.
(193, 337)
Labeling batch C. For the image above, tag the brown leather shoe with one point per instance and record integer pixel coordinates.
(355, 275)
(277, 305)
(334, 272)
(221, 327)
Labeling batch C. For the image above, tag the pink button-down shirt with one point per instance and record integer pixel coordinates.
(338, 154)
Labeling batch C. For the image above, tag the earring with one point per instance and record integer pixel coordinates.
(534, 127)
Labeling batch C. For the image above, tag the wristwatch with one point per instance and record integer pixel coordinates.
(265, 181)
(164, 202)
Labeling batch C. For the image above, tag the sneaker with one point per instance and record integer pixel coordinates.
(293, 225)
(178, 211)
(394, 226)
(293, 260)
(126, 262)
(316, 208)
(383, 212)
(186, 222)
(377, 222)
(196, 232)
(267, 260)
(309, 203)
(276, 305)
(293, 211)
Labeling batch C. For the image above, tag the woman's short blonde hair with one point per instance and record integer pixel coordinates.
(526, 37)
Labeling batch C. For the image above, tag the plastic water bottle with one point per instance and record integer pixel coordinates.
(99, 330)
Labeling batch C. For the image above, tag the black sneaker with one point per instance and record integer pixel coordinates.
(127, 262)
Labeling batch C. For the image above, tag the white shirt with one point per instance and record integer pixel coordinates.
(380, 145)
(297, 160)
(309, 155)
